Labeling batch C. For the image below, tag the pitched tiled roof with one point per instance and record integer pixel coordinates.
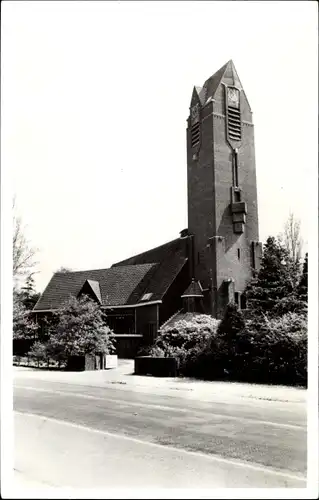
(226, 74)
(157, 254)
(211, 85)
(125, 283)
(193, 290)
(171, 258)
(118, 285)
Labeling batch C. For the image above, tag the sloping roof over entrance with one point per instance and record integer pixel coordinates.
(180, 316)
(193, 290)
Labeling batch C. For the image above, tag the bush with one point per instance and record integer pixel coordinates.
(272, 351)
(290, 304)
(186, 340)
(39, 352)
(269, 350)
(285, 349)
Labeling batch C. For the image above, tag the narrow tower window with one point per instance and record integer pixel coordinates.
(236, 196)
(236, 168)
(195, 132)
(195, 126)
(238, 253)
(234, 124)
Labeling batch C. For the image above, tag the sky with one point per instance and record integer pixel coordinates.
(95, 97)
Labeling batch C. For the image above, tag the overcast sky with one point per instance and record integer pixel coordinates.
(95, 98)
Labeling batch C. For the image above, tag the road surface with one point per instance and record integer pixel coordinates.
(105, 437)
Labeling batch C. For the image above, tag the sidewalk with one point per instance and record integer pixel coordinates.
(123, 378)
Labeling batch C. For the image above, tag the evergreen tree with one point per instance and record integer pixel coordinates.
(232, 323)
(230, 340)
(28, 295)
(273, 282)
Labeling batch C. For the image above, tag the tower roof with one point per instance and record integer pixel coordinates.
(226, 74)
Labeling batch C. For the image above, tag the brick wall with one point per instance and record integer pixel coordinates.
(210, 219)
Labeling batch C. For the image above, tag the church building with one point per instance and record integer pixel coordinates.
(211, 261)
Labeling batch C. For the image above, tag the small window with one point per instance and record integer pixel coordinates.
(237, 298)
(238, 253)
(147, 296)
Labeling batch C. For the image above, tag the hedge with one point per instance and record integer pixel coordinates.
(271, 351)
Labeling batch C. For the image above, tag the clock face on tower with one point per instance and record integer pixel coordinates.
(195, 113)
(233, 97)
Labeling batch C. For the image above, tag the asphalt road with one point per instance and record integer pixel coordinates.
(154, 439)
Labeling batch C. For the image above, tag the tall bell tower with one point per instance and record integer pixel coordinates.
(222, 190)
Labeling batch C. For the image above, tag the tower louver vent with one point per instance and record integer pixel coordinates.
(195, 134)
(234, 123)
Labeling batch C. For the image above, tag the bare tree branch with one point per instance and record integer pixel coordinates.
(23, 254)
(292, 238)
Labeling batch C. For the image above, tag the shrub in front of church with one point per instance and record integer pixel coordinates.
(185, 340)
(277, 351)
(38, 353)
(226, 345)
(270, 350)
(79, 328)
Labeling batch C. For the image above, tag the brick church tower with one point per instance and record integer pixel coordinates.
(222, 191)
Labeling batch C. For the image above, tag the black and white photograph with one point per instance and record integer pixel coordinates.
(159, 214)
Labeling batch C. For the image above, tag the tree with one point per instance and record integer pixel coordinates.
(79, 328)
(292, 241)
(23, 254)
(230, 339)
(23, 325)
(273, 282)
(39, 352)
(292, 238)
(232, 322)
(303, 283)
(63, 269)
(28, 295)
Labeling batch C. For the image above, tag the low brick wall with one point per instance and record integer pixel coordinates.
(21, 347)
(157, 367)
(83, 363)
